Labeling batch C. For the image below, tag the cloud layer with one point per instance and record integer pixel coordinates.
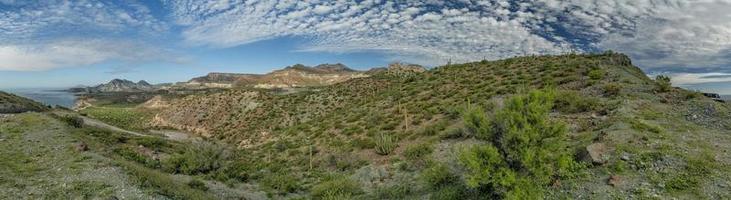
(43, 35)
(661, 35)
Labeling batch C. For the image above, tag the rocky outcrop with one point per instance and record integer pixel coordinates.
(292, 76)
(10, 103)
(117, 85)
(156, 102)
(401, 69)
(596, 153)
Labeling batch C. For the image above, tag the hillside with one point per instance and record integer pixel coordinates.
(10, 103)
(116, 85)
(404, 133)
(292, 76)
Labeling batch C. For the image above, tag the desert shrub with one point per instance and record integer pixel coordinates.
(385, 143)
(151, 142)
(692, 176)
(363, 143)
(525, 150)
(197, 184)
(641, 126)
(336, 188)
(438, 175)
(452, 133)
(238, 170)
(73, 121)
(418, 151)
(281, 183)
(130, 154)
(165, 183)
(398, 190)
(199, 158)
(573, 102)
(663, 83)
(612, 89)
(417, 154)
(476, 122)
(692, 95)
(596, 74)
(449, 192)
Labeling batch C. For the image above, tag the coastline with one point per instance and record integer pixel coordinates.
(48, 96)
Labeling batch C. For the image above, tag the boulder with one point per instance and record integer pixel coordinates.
(614, 180)
(81, 147)
(596, 153)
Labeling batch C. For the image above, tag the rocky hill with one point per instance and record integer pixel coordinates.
(291, 76)
(10, 103)
(407, 133)
(117, 85)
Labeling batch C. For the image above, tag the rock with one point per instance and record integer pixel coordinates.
(81, 147)
(625, 156)
(596, 153)
(614, 180)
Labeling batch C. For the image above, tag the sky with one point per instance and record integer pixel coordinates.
(56, 43)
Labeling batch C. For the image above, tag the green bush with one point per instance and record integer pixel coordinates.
(438, 175)
(385, 143)
(476, 122)
(525, 152)
(73, 121)
(596, 74)
(612, 89)
(198, 185)
(663, 83)
(336, 188)
(281, 183)
(130, 154)
(418, 152)
(199, 158)
(155, 143)
(573, 102)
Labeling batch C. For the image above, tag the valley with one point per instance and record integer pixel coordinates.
(574, 126)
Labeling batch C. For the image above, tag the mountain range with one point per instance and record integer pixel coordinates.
(289, 77)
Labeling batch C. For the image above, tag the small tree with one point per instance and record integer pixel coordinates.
(663, 83)
(524, 150)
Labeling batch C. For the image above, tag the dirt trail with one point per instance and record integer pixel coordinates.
(169, 134)
(100, 124)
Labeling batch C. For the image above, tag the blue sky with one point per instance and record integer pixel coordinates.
(57, 43)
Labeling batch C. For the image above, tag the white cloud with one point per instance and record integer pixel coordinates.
(409, 32)
(76, 53)
(656, 33)
(34, 20)
(685, 79)
(692, 35)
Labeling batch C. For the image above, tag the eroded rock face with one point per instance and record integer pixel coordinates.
(156, 102)
(202, 115)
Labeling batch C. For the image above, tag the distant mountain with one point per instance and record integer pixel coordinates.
(10, 103)
(117, 85)
(292, 76)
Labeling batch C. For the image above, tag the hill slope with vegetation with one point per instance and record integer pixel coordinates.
(552, 127)
(10, 103)
(573, 126)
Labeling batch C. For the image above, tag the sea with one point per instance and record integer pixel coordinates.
(48, 96)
